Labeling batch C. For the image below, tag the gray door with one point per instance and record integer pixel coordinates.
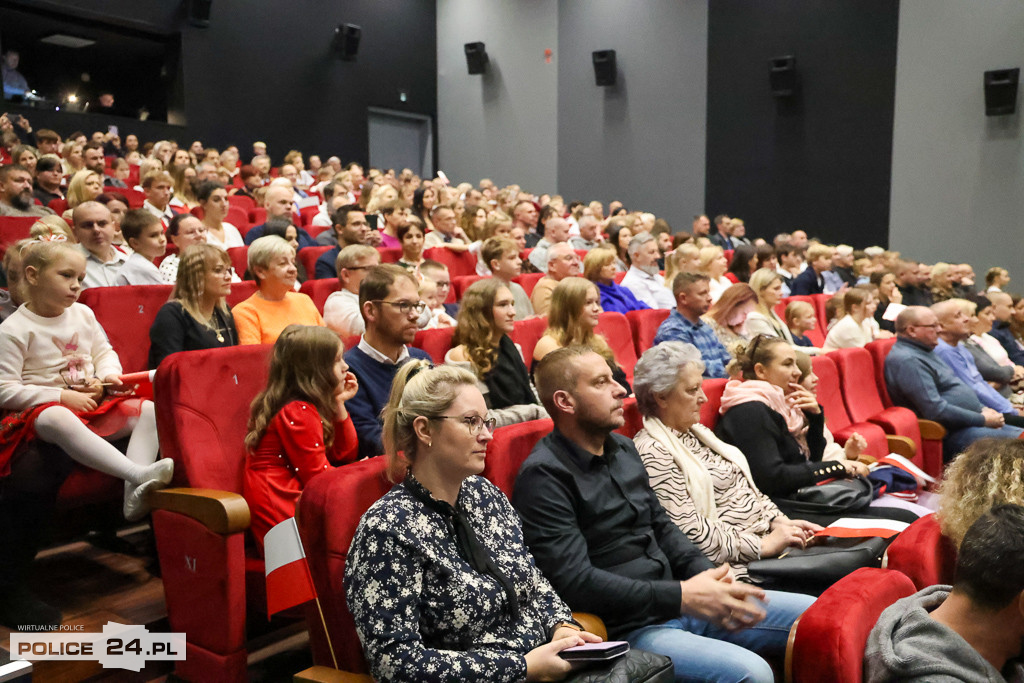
(401, 140)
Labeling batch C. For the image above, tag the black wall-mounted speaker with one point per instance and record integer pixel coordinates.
(605, 70)
(199, 13)
(782, 76)
(476, 58)
(346, 41)
(1001, 91)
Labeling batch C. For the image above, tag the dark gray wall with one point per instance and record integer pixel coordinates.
(266, 71)
(501, 124)
(957, 174)
(642, 141)
(820, 161)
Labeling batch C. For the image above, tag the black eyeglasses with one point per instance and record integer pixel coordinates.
(404, 306)
(474, 422)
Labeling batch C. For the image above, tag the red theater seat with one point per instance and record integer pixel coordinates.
(239, 218)
(319, 290)
(202, 409)
(509, 448)
(240, 291)
(645, 325)
(241, 201)
(817, 335)
(827, 642)
(308, 256)
(923, 554)
(307, 213)
(836, 418)
(239, 260)
(389, 254)
(436, 342)
(463, 282)
(459, 262)
(713, 389)
(126, 314)
(528, 281)
(527, 333)
(616, 330)
(12, 229)
(879, 349)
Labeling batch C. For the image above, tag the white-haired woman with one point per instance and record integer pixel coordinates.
(704, 484)
(261, 318)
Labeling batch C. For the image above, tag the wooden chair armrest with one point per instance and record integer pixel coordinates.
(325, 674)
(591, 622)
(901, 445)
(222, 512)
(931, 430)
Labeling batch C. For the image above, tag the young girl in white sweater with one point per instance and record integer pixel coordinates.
(59, 381)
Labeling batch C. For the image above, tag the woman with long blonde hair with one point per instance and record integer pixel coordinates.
(483, 346)
(85, 186)
(572, 319)
(298, 425)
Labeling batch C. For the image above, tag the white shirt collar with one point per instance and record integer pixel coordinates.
(373, 353)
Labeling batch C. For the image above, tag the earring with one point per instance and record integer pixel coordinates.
(429, 443)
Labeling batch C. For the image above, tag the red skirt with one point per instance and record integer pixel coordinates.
(108, 418)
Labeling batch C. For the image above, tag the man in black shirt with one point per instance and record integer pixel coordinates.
(600, 535)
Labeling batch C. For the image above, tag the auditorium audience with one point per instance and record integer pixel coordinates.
(184, 230)
(918, 379)
(643, 278)
(996, 278)
(48, 177)
(743, 264)
(213, 199)
(563, 262)
(196, 316)
(888, 293)
(350, 227)
(684, 324)
(704, 484)
(767, 285)
(390, 304)
(278, 203)
(857, 327)
(619, 237)
(525, 215)
(1002, 311)
(446, 232)
(713, 264)
(483, 346)
(411, 237)
(298, 425)
(599, 267)
(145, 237)
(94, 232)
(721, 235)
(275, 304)
(993, 362)
(589, 236)
(85, 186)
(727, 317)
(395, 213)
(16, 198)
(556, 231)
(502, 258)
(812, 279)
(601, 536)
(341, 310)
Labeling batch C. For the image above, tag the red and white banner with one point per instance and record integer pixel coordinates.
(289, 582)
(850, 527)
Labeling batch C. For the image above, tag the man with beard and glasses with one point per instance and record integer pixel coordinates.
(16, 198)
(643, 278)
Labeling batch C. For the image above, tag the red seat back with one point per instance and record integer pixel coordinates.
(239, 259)
(389, 254)
(509, 448)
(817, 335)
(238, 217)
(126, 314)
(319, 290)
(257, 215)
(713, 389)
(240, 291)
(135, 198)
(830, 637)
(619, 277)
(619, 335)
(461, 283)
(202, 409)
(879, 349)
(458, 262)
(241, 201)
(633, 420)
(527, 333)
(859, 388)
(923, 554)
(12, 229)
(527, 281)
(830, 396)
(436, 342)
(645, 325)
(307, 213)
(308, 256)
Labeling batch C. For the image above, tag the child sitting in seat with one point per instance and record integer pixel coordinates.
(434, 316)
(800, 317)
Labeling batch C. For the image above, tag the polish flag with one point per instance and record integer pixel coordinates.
(143, 382)
(289, 582)
(850, 527)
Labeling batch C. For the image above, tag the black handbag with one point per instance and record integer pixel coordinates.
(832, 498)
(636, 666)
(819, 566)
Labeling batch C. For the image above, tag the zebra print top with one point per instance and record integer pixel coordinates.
(744, 513)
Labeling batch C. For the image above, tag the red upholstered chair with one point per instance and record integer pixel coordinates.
(58, 206)
(645, 325)
(820, 301)
(389, 254)
(458, 262)
(634, 421)
(240, 291)
(238, 217)
(817, 335)
(257, 215)
(319, 290)
(307, 213)
(879, 349)
(527, 333)
(135, 198)
(827, 642)
(923, 554)
(12, 229)
(838, 421)
(308, 256)
(436, 342)
(315, 230)
(241, 201)
(210, 584)
(713, 389)
(239, 259)
(527, 281)
(461, 283)
(863, 399)
(619, 277)
(616, 330)
(509, 448)
(126, 314)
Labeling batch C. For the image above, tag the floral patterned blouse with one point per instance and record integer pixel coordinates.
(423, 613)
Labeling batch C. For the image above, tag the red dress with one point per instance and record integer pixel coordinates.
(289, 455)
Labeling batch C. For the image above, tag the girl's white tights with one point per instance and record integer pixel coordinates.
(59, 426)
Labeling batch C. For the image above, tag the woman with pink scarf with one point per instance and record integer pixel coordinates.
(779, 427)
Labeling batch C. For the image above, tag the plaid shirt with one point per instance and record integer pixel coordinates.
(678, 328)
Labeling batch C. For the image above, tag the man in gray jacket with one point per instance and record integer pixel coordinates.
(971, 631)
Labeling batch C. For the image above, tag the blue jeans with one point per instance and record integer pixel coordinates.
(958, 440)
(701, 651)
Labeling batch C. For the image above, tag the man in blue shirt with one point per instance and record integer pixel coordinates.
(278, 202)
(1002, 309)
(954, 329)
(918, 379)
(693, 300)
